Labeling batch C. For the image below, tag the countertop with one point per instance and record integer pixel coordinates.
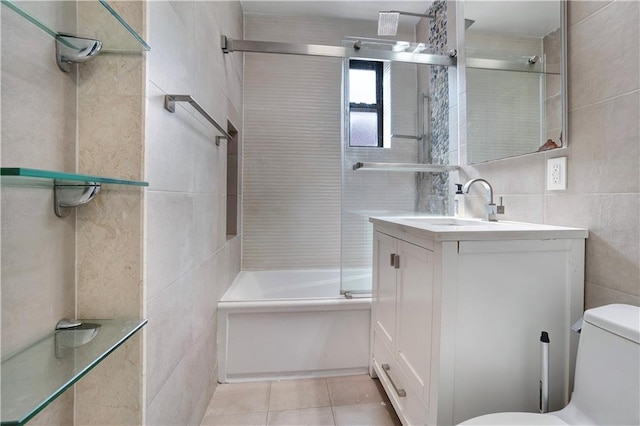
(444, 228)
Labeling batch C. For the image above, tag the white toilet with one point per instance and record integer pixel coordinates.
(607, 382)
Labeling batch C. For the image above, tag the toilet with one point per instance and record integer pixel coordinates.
(607, 381)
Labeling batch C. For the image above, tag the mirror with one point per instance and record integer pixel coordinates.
(515, 87)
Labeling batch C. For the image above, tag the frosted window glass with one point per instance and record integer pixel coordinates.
(364, 128)
(362, 86)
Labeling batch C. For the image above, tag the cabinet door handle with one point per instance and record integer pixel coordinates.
(396, 261)
(393, 260)
(387, 369)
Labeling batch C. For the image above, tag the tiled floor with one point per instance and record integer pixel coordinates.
(348, 401)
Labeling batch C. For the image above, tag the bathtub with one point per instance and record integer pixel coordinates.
(291, 324)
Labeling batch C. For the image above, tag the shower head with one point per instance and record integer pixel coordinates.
(468, 23)
(388, 21)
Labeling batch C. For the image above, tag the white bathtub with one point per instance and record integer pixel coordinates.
(291, 324)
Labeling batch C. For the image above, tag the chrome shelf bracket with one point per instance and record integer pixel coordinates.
(72, 50)
(66, 195)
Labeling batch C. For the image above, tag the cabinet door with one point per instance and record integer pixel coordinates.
(384, 310)
(414, 311)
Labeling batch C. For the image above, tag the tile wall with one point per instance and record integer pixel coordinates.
(189, 260)
(292, 151)
(108, 119)
(38, 131)
(603, 191)
(87, 265)
(109, 254)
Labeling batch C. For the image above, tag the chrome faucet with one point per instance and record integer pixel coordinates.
(491, 210)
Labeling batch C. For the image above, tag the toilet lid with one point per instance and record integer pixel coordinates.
(515, 419)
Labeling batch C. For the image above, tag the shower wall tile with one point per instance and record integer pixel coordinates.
(580, 9)
(168, 61)
(291, 164)
(203, 361)
(597, 69)
(38, 101)
(291, 173)
(170, 226)
(179, 316)
(170, 407)
(530, 175)
(38, 271)
(169, 335)
(596, 295)
(613, 247)
(168, 163)
(184, 230)
(604, 148)
(189, 260)
(229, 16)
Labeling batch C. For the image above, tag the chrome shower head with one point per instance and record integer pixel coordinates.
(388, 21)
(468, 23)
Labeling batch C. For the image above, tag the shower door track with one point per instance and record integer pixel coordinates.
(231, 45)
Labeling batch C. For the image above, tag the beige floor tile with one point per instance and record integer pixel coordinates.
(243, 387)
(372, 414)
(322, 416)
(294, 394)
(251, 419)
(350, 390)
(239, 399)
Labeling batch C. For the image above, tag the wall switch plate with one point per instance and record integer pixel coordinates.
(557, 174)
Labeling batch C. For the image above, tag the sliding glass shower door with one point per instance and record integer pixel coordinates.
(395, 133)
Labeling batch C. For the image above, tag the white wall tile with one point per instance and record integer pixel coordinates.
(188, 256)
(292, 166)
(169, 332)
(596, 69)
(604, 148)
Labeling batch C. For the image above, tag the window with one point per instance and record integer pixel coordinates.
(365, 104)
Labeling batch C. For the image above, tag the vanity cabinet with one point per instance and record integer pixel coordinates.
(456, 323)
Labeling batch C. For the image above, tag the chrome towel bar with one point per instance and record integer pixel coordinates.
(170, 105)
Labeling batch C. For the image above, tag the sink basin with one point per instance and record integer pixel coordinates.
(448, 221)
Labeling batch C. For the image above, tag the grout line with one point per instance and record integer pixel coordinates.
(590, 15)
(326, 385)
(173, 191)
(269, 400)
(333, 415)
(604, 101)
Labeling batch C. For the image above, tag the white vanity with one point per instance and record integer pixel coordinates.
(458, 310)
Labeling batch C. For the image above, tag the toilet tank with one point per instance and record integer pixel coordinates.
(607, 381)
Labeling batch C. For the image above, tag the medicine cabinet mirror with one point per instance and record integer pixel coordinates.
(515, 71)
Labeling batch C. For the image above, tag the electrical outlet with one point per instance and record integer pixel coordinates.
(557, 174)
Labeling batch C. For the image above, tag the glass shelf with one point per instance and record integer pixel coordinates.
(35, 376)
(405, 167)
(100, 21)
(61, 177)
